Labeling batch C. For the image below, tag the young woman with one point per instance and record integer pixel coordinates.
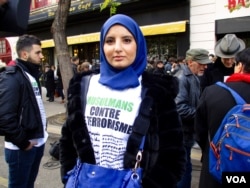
(100, 127)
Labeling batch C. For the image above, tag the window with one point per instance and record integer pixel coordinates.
(161, 45)
(3, 47)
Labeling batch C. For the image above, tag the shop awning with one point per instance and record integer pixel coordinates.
(165, 28)
(77, 39)
(148, 30)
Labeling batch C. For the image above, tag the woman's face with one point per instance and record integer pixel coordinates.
(119, 47)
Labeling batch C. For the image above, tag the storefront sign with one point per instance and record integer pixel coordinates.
(48, 12)
(148, 30)
(232, 8)
(237, 4)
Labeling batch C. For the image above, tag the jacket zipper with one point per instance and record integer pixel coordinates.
(235, 116)
(217, 146)
(21, 117)
(232, 149)
(238, 116)
(237, 126)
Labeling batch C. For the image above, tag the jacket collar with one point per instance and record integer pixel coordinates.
(237, 77)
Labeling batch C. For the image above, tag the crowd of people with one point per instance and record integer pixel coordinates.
(53, 80)
(174, 101)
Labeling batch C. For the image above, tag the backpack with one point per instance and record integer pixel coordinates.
(230, 147)
(54, 150)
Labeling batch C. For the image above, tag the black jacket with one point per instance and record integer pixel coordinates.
(215, 72)
(49, 80)
(163, 156)
(20, 118)
(187, 101)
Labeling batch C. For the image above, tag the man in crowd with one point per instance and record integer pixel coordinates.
(225, 51)
(214, 103)
(49, 80)
(75, 62)
(22, 115)
(187, 100)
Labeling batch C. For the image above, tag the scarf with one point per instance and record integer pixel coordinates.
(237, 77)
(32, 69)
(128, 77)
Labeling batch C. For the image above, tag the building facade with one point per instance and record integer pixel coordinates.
(164, 24)
(210, 20)
(170, 27)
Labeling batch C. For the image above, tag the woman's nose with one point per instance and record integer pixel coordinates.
(118, 46)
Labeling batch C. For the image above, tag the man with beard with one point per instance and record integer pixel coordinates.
(22, 115)
(187, 100)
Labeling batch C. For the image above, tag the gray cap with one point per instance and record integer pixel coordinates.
(229, 46)
(198, 54)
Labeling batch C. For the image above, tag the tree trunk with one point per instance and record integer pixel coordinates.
(61, 46)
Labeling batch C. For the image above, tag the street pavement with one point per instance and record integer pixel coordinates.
(49, 173)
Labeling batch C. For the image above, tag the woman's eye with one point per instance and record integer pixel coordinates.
(127, 40)
(109, 41)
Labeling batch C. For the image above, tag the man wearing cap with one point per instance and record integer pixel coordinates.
(225, 49)
(187, 100)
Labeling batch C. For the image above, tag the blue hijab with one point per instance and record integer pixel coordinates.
(128, 77)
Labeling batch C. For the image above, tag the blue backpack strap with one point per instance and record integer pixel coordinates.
(238, 99)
